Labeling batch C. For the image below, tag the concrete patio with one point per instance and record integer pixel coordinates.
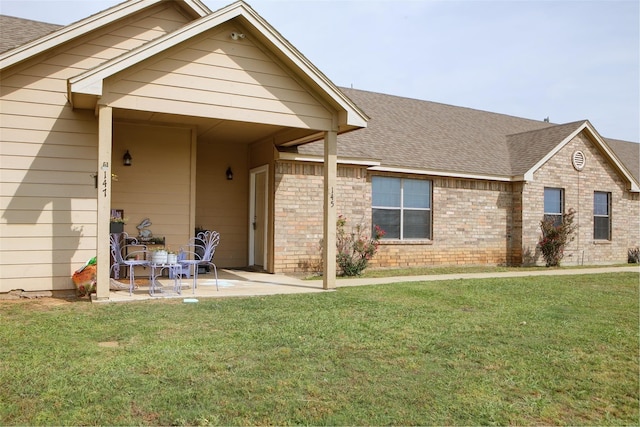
(231, 283)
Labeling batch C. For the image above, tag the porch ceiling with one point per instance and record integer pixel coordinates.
(209, 129)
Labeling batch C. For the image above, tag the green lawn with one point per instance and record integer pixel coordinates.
(560, 350)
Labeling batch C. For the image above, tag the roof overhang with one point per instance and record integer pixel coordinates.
(296, 157)
(91, 82)
(77, 29)
(634, 186)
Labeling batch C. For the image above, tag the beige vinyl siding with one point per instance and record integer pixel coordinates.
(223, 205)
(215, 76)
(156, 185)
(48, 153)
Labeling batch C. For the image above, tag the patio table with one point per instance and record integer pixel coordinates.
(174, 270)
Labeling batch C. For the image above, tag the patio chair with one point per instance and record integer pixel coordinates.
(127, 252)
(199, 252)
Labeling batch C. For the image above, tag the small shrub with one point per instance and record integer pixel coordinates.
(355, 249)
(634, 255)
(555, 237)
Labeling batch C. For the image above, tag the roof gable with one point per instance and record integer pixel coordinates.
(546, 137)
(528, 150)
(90, 83)
(91, 23)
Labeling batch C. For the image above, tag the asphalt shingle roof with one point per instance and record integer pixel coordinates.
(15, 32)
(411, 133)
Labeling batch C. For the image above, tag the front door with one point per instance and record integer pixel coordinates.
(258, 218)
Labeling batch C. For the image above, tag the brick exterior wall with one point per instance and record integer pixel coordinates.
(474, 222)
(298, 211)
(579, 188)
(471, 225)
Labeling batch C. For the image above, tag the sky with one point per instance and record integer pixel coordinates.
(566, 60)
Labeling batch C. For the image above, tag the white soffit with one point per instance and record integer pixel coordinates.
(319, 159)
(447, 174)
(86, 25)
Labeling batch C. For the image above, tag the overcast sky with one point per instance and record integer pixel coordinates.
(566, 60)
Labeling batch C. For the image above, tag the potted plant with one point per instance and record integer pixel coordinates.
(116, 224)
(159, 256)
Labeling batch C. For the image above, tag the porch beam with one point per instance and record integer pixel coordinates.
(329, 228)
(105, 134)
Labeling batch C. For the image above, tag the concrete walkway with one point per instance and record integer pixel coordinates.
(237, 283)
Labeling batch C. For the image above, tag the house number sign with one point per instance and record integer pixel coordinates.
(333, 203)
(105, 167)
(104, 184)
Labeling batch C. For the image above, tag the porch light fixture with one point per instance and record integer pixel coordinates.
(229, 173)
(126, 159)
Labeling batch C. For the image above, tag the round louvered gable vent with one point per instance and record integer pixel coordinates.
(579, 160)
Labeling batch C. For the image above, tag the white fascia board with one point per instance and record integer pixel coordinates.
(634, 187)
(528, 175)
(84, 26)
(414, 171)
(198, 7)
(320, 159)
(91, 80)
(355, 116)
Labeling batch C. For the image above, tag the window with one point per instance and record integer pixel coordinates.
(601, 215)
(402, 207)
(553, 205)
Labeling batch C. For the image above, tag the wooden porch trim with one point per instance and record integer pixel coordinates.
(105, 141)
(330, 179)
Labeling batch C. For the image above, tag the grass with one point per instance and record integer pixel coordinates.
(556, 350)
(453, 269)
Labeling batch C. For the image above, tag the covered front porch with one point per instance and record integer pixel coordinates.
(201, 112)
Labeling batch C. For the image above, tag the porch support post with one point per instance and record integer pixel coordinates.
(105, 133)
(330, 174)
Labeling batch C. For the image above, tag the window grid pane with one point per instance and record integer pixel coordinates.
(601, 215)
(402, 207)
(416, 224)
(386, 192)
(553, 201)
(389, 221)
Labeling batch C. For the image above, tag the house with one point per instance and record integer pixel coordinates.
(489, 180)
(193, 118)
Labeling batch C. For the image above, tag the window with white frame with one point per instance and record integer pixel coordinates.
(402, 207)
(601, 215)
(553, 205)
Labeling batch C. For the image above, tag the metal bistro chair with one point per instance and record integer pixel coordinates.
(127, 251)
(199, 252)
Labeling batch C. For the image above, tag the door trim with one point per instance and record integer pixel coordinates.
(252, 213)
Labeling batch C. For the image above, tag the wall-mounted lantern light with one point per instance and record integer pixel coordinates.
(126, 159)
(229, 173)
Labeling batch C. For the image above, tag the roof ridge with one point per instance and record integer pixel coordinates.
(550, 127)
(444, 104)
